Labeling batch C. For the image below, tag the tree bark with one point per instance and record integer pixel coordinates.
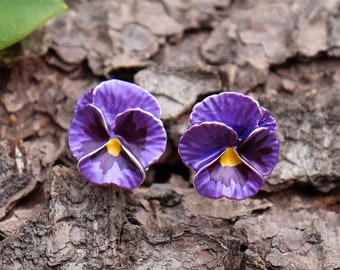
(285, 54)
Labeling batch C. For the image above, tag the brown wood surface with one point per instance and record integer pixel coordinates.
(283, 53)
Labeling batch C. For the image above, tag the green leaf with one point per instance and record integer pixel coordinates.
(18, 18)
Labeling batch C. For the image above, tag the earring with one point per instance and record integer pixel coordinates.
(116, 134)
(231, 144)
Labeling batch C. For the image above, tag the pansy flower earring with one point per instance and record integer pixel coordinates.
(231, 144)
(116, 134)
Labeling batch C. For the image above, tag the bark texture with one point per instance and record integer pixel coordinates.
(283, 53)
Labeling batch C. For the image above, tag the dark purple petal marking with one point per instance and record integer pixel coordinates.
(114, 97)
(240, 112)
(86, 99)
(88, 131)
(103, 169)
(239, 182)
(204, 143)
(267, 120)
(142, 134)
(261, 150)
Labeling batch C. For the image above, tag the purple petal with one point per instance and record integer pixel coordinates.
(239, 182)
(261, 150)
(86, 99)
(267, 120)
(103, 169)
(88, 131)
(240, 112)
(142, 134)
(204, 143)
(114, 97)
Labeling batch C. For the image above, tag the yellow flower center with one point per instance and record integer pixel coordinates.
(230, 158)
(113, 147)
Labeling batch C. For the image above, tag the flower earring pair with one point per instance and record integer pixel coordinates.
(116, 134)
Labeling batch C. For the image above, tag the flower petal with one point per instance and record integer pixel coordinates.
(88, 131)
(236, 110)
(204, 143)
(142, 134)
(103, 169)
(239, 182)
(86, 99)
(114, 97)
(261, 150)
(267, 120)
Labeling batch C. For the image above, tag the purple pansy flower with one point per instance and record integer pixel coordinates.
(231, 144)
(116, 134)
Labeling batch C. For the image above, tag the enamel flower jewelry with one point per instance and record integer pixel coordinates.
(116, 134)
(231, 144)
